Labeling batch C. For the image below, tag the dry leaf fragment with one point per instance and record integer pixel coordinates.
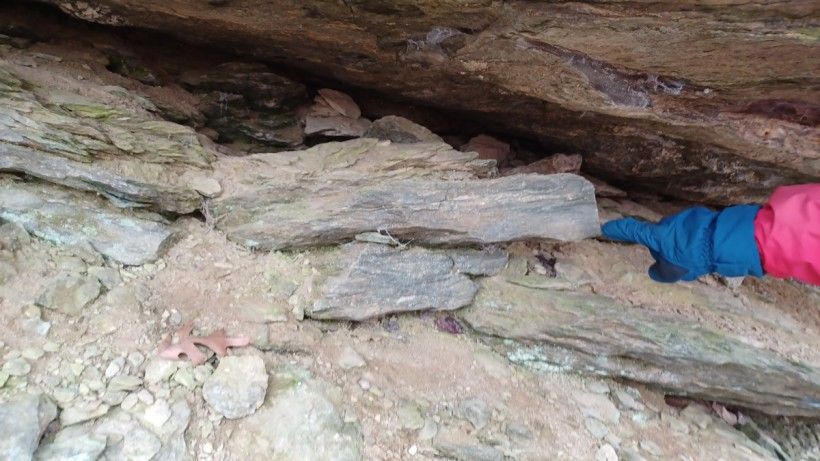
(341, 103)
(187, 344)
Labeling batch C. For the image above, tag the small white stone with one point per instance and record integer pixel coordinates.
(130, 401)
(157, 414)
(145, 396)
(135, 359)
(364, 384)
(606, 453)
(413, 450)
(159, 370)
(349, 358)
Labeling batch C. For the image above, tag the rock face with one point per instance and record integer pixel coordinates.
(69, 218)
(571, 330)
(377, 280)
(711, 110)
(331, 193)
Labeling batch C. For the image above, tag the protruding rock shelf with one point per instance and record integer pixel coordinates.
(70, 218)
(329, 194)
(560, 330)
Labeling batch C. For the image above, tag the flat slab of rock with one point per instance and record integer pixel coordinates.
(70, 218)
(561, 330)
(376, 280)
(94, 138)
(70, 293)
(398, 189)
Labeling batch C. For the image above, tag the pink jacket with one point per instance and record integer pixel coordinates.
(787, 231)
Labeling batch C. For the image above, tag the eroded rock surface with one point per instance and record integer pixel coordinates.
(722, 106)
(330, 193)
(70, 218)
(86, 137)
(582, 331)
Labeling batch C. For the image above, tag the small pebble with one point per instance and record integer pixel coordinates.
(32, 353)
(349, 358)
(606, 453)
(145, 396)
(364, 384)
(135, 359)
(114, 367)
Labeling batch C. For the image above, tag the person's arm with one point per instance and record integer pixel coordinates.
(781, 238)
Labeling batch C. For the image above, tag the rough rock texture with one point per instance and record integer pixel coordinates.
(330, 193)
(69, 218)
(716, 104)
(576, 330)
(298, 421)
(23, 419)
(96, 138)
(72, 444)
(237, 387)
(377, 280)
